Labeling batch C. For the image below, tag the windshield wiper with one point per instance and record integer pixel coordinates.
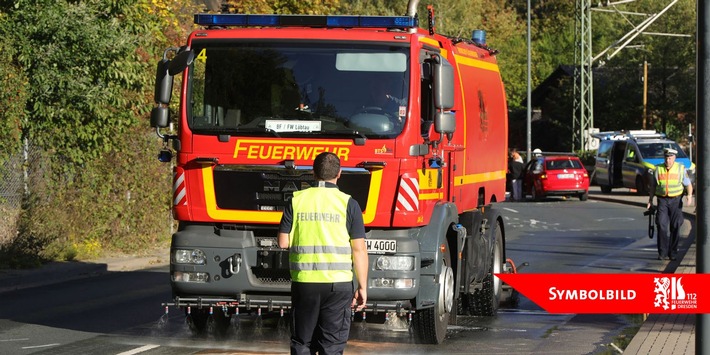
(358, 137)
(225, 133)
(246, 129)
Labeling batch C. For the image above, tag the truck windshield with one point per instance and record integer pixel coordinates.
(287, 89)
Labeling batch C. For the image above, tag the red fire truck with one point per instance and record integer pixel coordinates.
(418, 119)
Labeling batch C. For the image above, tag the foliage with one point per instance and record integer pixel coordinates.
(588, 157)
(375, 7)
(23, 252)
(618, 103)
(311, 7)
(618, 80)
(81, 71)
(118, 203)
(81, 74)
(13, 98)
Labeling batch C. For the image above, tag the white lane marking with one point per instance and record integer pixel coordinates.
(139, 350)
(20, 339)
(616, 219)
(39, 346)
(510, 209)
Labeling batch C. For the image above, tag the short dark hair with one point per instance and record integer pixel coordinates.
(326, 166)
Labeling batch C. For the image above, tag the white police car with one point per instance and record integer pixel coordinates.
(625, 158)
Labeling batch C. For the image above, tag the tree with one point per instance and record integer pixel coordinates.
(13, 99)
(83, 76)
(79, 78)
(310, 7)
(670, 78)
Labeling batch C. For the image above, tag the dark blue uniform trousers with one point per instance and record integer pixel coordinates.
(669, 218)
(320, 317)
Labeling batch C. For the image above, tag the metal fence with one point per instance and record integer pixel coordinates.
(12, 189)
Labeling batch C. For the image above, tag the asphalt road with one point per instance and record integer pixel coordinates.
(120, 313)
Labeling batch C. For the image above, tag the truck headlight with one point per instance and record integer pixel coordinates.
(189, 256)
(391, 283)
(199, 277)
(398, 263)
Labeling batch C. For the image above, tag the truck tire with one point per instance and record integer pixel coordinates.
(605, 188)
(430, 324)
(485, 301)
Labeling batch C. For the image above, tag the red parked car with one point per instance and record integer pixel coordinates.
(555, 175)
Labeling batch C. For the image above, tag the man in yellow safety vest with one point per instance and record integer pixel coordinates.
(669, 181)
(324, 232)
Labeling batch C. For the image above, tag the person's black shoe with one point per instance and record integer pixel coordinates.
(672, 257)
(660, 257)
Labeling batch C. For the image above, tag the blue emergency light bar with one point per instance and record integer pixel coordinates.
(344, 21)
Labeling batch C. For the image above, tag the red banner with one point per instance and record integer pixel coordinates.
(615, 293)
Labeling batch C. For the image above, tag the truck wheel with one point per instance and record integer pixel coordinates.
(485, 301)
(605, 188)
(536, 196)
(430, 324)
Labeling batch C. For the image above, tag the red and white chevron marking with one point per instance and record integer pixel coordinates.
(179, 189)
(408, 195)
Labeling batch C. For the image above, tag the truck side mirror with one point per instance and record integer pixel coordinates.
(445, 122)
(181, 61)
(163, 83)
(443, 76)
(164, 73)
(159, 116)
(443, 89)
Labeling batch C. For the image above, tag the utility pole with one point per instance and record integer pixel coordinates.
(529, 90)
(583, 104)
(645, 93)
(582, 110)
(702, 215)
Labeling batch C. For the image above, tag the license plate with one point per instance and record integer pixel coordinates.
(565, 176)
(381, 246)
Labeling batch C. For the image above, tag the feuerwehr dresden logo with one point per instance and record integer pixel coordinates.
(670, 294)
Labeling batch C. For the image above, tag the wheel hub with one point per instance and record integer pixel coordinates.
(446, 290)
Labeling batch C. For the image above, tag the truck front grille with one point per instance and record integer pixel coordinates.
(270, 188)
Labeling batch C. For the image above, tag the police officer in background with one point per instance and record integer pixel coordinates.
(667, 185)
(324, 232)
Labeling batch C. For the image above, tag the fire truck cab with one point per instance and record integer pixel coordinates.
(418, 119)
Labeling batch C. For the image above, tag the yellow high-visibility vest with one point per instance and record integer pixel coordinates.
(669, 183)
(320, 248)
